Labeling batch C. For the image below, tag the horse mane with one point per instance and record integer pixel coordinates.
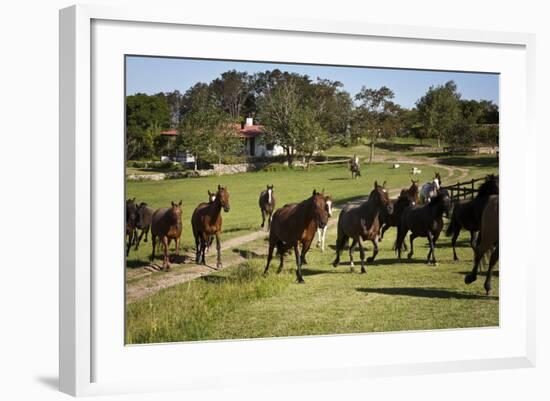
(489, 187)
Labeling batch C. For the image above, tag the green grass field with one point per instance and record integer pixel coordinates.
(238, 302)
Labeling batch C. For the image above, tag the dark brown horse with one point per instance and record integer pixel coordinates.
(131, 221)
(361, 223)
(423, 221)
(267, 205)
(144, 219)
(467, 214)
(294, 224)
(206, 222)
(488, 242)
(408, 197)
(166, 226)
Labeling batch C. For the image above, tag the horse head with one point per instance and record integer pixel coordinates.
(380, 195)
(211, 197)
(320, 213)
(223, 197)
(269, 193)
(175, 213)
(328, 203)
(489, 187)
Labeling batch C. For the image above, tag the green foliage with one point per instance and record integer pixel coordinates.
(439, 110)
(206, 131)
(146, 116)
(376, 116)
(302, 116)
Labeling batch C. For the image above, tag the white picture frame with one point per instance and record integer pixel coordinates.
(92, 363)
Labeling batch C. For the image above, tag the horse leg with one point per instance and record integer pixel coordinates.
(370, 259)
(362, 254)
(431, 253)
(146, 233)
(138, 241)
(219, 250)
(472, 276)
(299, 277)
(340, 242)
(453, 242)
(492, 263)
(263, 218)
(165, 261)
(281, 249)
(351, 249)
(269, 255)
(269, 216)
(323, 238)
(305, 248)
(384, 229)
(154, 242)
(411, 239)
(204, 243)
(197, 247)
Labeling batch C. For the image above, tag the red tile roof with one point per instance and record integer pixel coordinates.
(170, 132)
(251, 131)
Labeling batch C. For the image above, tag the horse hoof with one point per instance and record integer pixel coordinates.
(335, 263)
(363, 271)
(409, 256)
(300, 281)
(469, 279)
(219, 266)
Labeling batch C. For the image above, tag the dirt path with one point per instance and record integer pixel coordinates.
(149, 280)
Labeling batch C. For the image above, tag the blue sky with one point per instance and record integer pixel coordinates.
(154, 74)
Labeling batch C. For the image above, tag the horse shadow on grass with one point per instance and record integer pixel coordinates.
(479, 273)
(248, 254)
(429, 292)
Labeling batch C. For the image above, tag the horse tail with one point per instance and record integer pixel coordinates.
(453, 226)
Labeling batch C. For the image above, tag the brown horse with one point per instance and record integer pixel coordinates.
(293, 224)
(360, 222)
(267, 205)
(206, 221)
(488, 241)
(166, 226)
(144, 219)
(131, 221)
(408, 196)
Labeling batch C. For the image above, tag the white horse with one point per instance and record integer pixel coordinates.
(430, 189)
(322, 232)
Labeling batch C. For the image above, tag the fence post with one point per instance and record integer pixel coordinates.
(472, 195)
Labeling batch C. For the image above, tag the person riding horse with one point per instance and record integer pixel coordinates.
(354, 167)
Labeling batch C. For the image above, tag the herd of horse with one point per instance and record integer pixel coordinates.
(294, 226)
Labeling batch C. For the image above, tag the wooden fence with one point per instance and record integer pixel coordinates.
(464, 190)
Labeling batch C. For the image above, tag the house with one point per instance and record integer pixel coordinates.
(177, 155)
(254, 143)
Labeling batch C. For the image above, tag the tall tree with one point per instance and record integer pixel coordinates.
(146, 116)
(376, 115)
(232, 89)
(206, 131)
(439, 110)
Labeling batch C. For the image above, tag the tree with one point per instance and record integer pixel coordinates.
(376, 115)
(232, 90)
(205, 131)
(334, 109)
(439, 110)
(289, 108)
(146, 116)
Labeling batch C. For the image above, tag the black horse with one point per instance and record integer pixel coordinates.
(131, 223)
(423, 221)
(467, 214)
